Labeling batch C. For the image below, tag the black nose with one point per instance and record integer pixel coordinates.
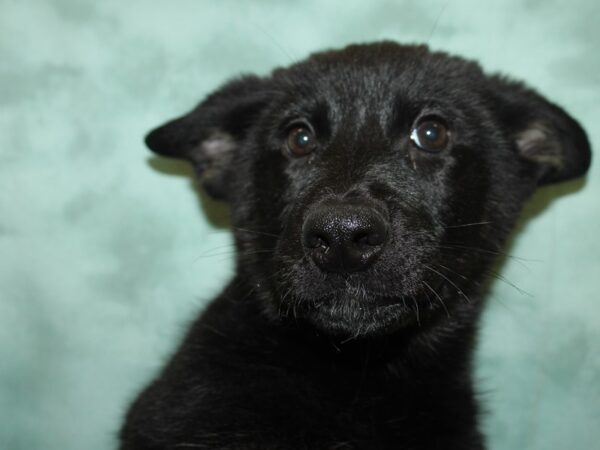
(344, 238)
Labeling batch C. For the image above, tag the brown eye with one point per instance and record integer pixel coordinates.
(301, 141)
(430, 135)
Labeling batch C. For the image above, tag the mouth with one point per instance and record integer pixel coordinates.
(353, 310)
(353, 317)
(360, 305)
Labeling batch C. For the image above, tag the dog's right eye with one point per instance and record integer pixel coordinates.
(301, 141)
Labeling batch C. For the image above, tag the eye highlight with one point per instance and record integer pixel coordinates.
(430, 134)
(301, 141)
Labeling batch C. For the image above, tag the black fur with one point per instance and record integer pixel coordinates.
(292, 356)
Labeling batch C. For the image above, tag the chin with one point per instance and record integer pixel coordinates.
(349, 315)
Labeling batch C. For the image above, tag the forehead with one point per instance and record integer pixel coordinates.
(379, 77)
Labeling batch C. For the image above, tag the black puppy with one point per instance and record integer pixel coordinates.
(370, 189)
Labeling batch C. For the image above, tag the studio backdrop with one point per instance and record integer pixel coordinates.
(108, 252)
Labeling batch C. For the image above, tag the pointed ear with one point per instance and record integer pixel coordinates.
(544, 134)
(210, 134)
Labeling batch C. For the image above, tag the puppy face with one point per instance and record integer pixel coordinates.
(371, 187)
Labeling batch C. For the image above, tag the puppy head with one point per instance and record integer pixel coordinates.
(371, 187)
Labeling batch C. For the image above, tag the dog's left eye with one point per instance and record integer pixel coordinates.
(301, 141)
(430, 134)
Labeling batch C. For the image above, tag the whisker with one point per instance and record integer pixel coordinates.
(518, 259)
(437, 21)
(211, 255)
(428, 298)
(505, 280)
(468, 225)
(276, 43)
(416, 310)
(438, 296)
(459, 290)
(257, 252)
(255, 232)
(233, 252)
(453, 271)
(204, 254)
(454, 245)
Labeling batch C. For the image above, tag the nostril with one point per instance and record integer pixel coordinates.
(361, 239)
(376, 239)
(316, 240)
(368, 238)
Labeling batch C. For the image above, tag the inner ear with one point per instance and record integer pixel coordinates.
(212, 161)
(539, 144)
(216, 145)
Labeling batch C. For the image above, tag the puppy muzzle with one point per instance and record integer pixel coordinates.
(344, 237)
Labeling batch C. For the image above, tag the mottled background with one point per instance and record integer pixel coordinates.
(106, 254)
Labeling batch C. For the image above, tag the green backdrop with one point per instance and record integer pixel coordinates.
(105, 251)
